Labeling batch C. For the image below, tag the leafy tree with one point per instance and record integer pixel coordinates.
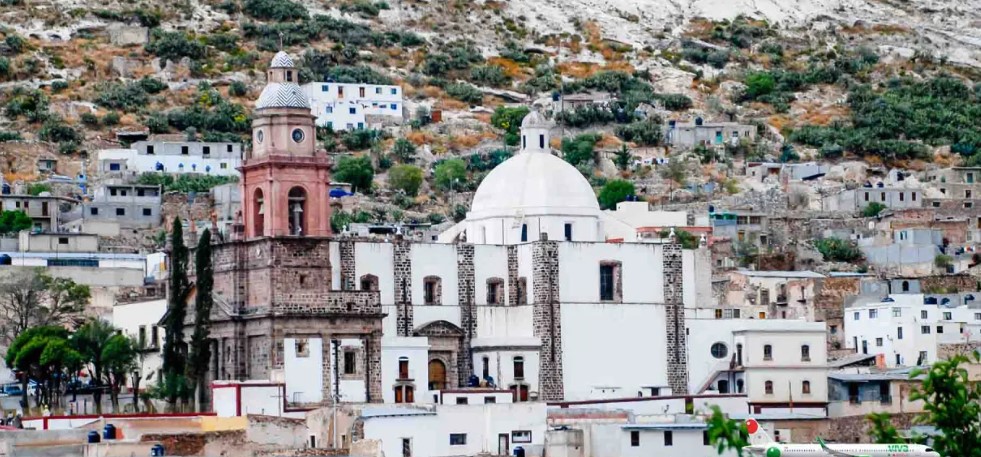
(614, 192)
(174, 45)
(838, 250)
(509, 120)
(56, 130)
(91, 340)
(449, 173)
(32, 104)
(407, 178)
(404, 150)
(465, 93)
(14, 221)
(758, 84)
(580, 150)
(675, 170)
(881, 429)
(174, 362)
(645, 133)
(119, 356)
(622, 159)
(682, 237)
(873, 209)
(489, 75)
(200, 356)
(943, 261)
(32, 298)
(355, 140)
(185, 183)
(237, 89)
(276, 10)
(356, 171)
(25, 354)
(726, 434)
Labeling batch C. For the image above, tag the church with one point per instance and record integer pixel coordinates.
(525, 295)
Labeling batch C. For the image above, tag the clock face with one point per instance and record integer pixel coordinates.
(258, 136)
(298, 135)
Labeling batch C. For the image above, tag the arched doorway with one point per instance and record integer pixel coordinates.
(437, 375)
(297, 207)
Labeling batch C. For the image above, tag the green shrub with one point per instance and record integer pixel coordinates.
(675, 102)
(645, 133)
(237, 89)
(111, 118)
(211, 114)
(9, 136)
(696, 53)
(225, 41)
(16, 43)
(450, 174)
(509, 120)
(356, 140)
(185, 182)
(4, 67)
(465, 93)
(614, 192)
(356, 171)
(580, 150)
(364, 8)
(156, 123)
(838, 250)
(89, 119)
(585, 116)
(489, 75)
(404, 150)
(302, 32)
(943, 261)
(175, 45)
(405, 178)
(30, 103)
(275, 10)
(59, 85)
(873, 209)
(56, 130)
(37, 188)
(129, 96)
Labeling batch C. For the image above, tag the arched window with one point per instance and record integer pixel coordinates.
(297, 209)
(905, 286)
(258, 213)
(432, 290)
(369, 283)
(403, 368)
(805, 353)
(805, 387)
(767, 352)
(524, 142)
(495, 291)
(739, 386)
(519, 367)
(768, 387)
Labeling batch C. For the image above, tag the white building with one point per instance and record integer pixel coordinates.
(139, 320)
(344, 106)
(785, 370)
(174, 157)
(908, 332)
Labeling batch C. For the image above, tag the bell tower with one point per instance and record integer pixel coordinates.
(285, 181)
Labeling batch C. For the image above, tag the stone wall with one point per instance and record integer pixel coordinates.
(949, 283)
(346, 251)
(466, 290)
(403, 286)
(829, 306)
(675, 319)
(547, 319)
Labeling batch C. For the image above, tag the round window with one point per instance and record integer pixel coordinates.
(719, 350)
(258, 136)
(298, 135)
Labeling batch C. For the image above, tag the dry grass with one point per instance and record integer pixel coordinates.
(699, 27)
(511, 68)
(464, 141)
(483, 117)
(608, 142)
(450, 104)
(420, 137)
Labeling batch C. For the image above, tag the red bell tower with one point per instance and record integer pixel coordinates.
(285, 181)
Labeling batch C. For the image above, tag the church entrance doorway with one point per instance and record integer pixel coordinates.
(437, 375)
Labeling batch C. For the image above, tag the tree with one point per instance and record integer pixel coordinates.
(645, 133)
(14, 221)
(119, 356)
(200, 357)
(726, 434)
(881, 429)
(758, 84)
(614, 192)
(449, 173)
(675, 170)
(873, 209)
(580, 150)
(622, 159)
(404, 150)
(29, 353)
(90, 340)
(173, 352)
(406, 178)
(838, 250)
(31, 298)
(509, 120)
(356, 171)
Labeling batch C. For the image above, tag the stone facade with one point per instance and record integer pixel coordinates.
(675, 320)
(466, 289)
(346, 248)
(513, 275)
(403, 286)
(547, 319)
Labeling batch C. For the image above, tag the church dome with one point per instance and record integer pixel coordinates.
(282, 60)
(531, 184)
(535, 120)
(282, 95)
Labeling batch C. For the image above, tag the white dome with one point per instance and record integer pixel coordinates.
(535, 120)
(282, 95)
(531, 184)
(281, 60)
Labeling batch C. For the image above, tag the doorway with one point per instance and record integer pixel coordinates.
(503, 444)
(437, 375)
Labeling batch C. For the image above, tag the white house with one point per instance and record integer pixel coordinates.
(174, 157)
(908, 332)
(139, 320)
(785, 370)
(346, 106)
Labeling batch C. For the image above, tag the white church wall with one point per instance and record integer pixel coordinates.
(489, 261)
(641, 269)
(504, 321)
(592, 363)
(416, 349)
(500, 365)
(301, 386)
(438, 260)
(376, 259)
(335, 259)
(526, 269)
(350, 389)
(702, 334)
(422, 315)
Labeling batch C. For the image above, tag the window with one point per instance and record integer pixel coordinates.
(719, 350)
(462, 400)
(360, 125)
(882, 196)
(968, 204)
(394, 106)
(855, 316)
(205, 150)
(524, 232)
(922, 359)
(902, 196)
(521, 436)
(923, 314)
(486, 365)
(967, 194)
(805, 353)
(610, 285)
(62, 240)
(634, 438)
(495, 291)
(395, 91)
(735, 314)
(301, 347)
(873, 313)
(935, 204)
(668, 438)
(113, 167)
(805, 387)
(296, 200)
(899, 333)
(149, 149)
(913, 196)
(458, 439)
(352, 110)
(147, 212)
(705, 438)
(768, 387)
(762, 315)
(925, 329)
(361, 92)
(718, 314)
(767, 352)
(541, 141)
(432, 286)
(350, 362)
(258, 213)
(977, 316)
(289, 76)
(490, 400)
(112, 192)
(330, 110)
(120, 211)
(940, 329)
(833, 329)
(94, 211)
(897, 312)
(223, 166)
(947, 316)
(866, 196)
(142, 337)
(406, 447)
(568, 232)
(878, 342)
(519, 367)
(403, 368)
(185, 150)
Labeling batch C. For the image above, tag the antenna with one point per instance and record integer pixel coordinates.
(280, 41)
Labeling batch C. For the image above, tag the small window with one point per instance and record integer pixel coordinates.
(185, 150)
(940, 329)
(329, 110)
(568, 232)
(902, 196)
(462, 401)
(228, 148)
(394, 106)
(948, 316)
(519, 367)
(924, 314)
(458, 439)
(94, 211)
(968, 204)
(935, 204)
(805, 387)
(805, 353)
(967, 194)
(524, 232)
(833, 329)
(634, 438)
(925, 329)
(140, 193)
(668, 438)
(63, 240)
(403, 368)
(873, 313)
(878, 342)
(521, 436)
(541, 141)
(324, 88)
(899, 333)
(378, 90)
(120, 211)
(977, 316)
(302, 348)
(495, 291)
(897, 312)
(147, 212)
(718, 314)
(205, 150)
(112, 192)
(490, 400)
(113, 167)
(289, 76)
(705, 438)
(913, 196)
(352, 110)
(394, 91)
(767, 352)
(719, 350)
(149, 149)
(223, 166)
(350, 362)
(882, 196)
(855, 316)
(768, 387)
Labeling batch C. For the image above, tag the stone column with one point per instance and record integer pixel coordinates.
(402, 264)
(346, 251)
(675, 319)
(466, 291)
(326, 370)
(512, 275)
(547, 320)
(373, 368)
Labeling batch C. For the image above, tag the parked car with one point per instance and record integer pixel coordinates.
(13, 390)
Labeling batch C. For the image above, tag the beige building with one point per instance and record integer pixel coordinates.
(58, 242)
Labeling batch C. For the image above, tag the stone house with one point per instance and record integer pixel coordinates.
(718, 134)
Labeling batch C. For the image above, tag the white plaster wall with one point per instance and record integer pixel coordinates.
(786, 369)
(129, 317)
(430, 259)
(505, 321)
(417, 351)
(304, 379)
(351, 390)
(688, 443)
(223, 402)
(591, 362)
(500, 363)
(376, 259)
(507, 229)
(140, 163)
(422, 315)
(526, 269)
(642, 271)
(489, 261)
(335, 265)
(477, 397)
(430, 435)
